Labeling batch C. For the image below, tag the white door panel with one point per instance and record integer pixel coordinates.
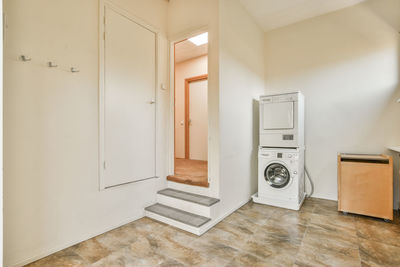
(198, 126)
(129, 115)
(278, 116)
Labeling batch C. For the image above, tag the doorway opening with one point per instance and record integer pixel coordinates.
(191, 111)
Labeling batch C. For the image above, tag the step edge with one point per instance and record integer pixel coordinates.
(185, 205)
(173, 223)
(162, 193)
(195, 226)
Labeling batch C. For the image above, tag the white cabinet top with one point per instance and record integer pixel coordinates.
(394, 148)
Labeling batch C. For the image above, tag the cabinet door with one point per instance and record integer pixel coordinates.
(366, 188)
(129, 95)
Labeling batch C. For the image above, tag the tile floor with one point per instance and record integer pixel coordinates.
(193, 172)
(255, 235)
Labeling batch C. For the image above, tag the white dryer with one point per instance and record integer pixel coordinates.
(282, 120)
(281, 177)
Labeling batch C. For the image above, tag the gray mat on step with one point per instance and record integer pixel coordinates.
(178, 215)
(198, 199)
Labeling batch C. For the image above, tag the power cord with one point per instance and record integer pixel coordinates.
(311, 182)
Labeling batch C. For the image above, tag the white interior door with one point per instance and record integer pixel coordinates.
(198, 116)
(129, 94)
(278, 116)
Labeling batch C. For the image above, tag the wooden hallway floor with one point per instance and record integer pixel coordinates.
(193, 172)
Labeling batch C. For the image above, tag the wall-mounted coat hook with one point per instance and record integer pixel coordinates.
(25, 58)
(73, 69)
(51, 64)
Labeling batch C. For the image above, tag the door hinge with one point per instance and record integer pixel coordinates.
(104, 165)
(104, 36)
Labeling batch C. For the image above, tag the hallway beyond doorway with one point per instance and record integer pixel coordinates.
(190, 57)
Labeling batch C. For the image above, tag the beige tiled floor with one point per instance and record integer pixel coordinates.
(255, 235)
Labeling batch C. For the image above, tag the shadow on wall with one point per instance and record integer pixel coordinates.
(328, 44)
(387, 10)
(254, 153)
(347, 65)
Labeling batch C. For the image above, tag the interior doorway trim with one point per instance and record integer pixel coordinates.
(103, 5)
(187, 110)
(213, 189)
(171, 129)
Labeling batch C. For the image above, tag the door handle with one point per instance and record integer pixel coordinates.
(190, 122)
(152, 101)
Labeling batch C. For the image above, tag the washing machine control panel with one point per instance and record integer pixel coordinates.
(279, 155)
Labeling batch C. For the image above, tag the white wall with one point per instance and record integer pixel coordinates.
(347, 65)
(51, 128)
(184, 70)
(188, 17)
(1, 141)
(241, 83)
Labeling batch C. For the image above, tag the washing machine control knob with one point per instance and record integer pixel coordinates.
(290, 155)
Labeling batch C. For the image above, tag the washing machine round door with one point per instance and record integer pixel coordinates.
(277, 175)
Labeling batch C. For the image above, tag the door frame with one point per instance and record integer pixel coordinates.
(171, 133)
(187, 109)
(103, 4)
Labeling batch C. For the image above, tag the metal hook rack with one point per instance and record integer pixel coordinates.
(25, 58)
(51, 64)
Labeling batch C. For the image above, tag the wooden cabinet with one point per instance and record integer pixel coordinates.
(365, 185)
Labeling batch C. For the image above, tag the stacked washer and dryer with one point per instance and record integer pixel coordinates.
(281, 151)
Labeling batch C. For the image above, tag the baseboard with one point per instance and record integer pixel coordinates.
(323, 197)
(71, 243)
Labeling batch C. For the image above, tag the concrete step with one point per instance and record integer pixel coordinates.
(194, 198)
(189, 202)
(186, 221)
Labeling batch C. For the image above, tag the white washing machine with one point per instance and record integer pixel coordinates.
(282, 120)
(281, 177)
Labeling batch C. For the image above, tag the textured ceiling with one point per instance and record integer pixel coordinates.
(186, 50)
(272, 14)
